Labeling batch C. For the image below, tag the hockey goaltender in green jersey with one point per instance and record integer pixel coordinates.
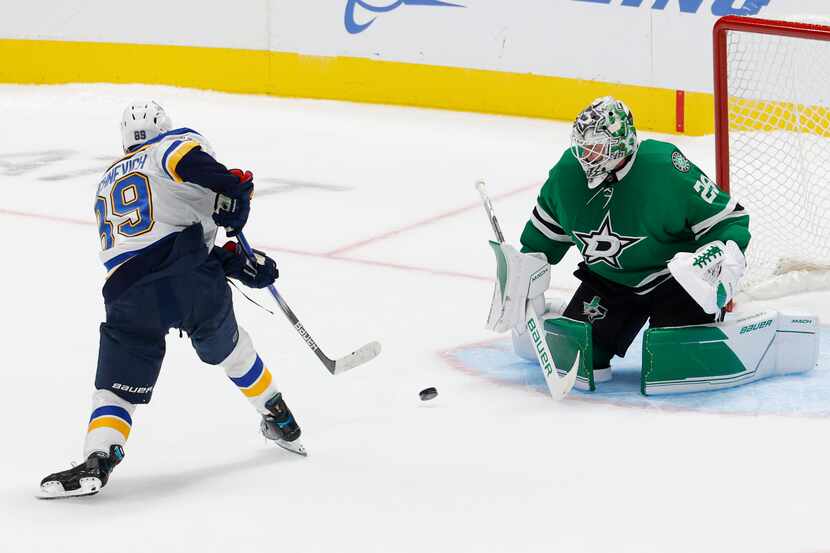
(661, 244)
(628, 232)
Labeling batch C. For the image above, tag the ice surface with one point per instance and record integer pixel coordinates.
(372, 216)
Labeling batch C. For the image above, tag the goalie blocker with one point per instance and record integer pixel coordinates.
(700, 357)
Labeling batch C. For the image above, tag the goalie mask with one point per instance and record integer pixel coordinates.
(142, 121)
(603, 135)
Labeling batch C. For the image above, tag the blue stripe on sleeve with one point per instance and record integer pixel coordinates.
(251, 376)
(114, 411)
(169, 151)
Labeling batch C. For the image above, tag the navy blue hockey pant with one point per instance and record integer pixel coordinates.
(197, 301)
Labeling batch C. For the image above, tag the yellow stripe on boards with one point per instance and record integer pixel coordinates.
(110, 422)
(261, 384)
(341, 78)
(55, 62)
(365, 80)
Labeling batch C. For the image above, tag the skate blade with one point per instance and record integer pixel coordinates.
(294, 447)
(54, 490)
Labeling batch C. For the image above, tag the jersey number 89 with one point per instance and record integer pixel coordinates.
(130, 199)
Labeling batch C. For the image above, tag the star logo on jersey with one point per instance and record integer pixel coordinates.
(593, 310)
(604, 245)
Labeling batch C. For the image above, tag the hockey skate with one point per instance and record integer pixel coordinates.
(85, 479)
(281, 427)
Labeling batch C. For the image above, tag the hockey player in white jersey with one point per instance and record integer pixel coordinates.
(158, 210)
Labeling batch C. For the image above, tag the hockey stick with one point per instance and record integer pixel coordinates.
(334, 366)
(558, 386)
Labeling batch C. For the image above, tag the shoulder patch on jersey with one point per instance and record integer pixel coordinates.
(680, 162)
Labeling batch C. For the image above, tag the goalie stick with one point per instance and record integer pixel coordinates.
(558, 386)
(334, 366)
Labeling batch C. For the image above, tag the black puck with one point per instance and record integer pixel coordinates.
(428, 393)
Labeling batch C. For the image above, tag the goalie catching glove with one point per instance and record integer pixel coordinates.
(710, 275)
(519, 277)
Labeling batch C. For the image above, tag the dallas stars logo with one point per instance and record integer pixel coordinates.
(593, 310)
(604, 245)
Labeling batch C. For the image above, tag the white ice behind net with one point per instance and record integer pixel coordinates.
(779, 159)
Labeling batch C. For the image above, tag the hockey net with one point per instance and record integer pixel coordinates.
(772, 108)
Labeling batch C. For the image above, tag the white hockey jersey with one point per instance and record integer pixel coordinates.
(141, 199)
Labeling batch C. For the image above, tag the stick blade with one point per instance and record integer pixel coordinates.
(356, 358)
(561, 386)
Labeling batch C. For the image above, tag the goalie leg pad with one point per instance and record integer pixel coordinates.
(522, 344)
(724, 355)
(565, 338)
(586, 380)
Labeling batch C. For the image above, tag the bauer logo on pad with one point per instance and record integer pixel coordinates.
(368, 10)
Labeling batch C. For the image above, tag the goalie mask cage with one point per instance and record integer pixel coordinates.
(772, 125)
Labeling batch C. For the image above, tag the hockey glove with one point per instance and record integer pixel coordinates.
(519, 277)
(233, 206)
(710, 275)
(239, 266)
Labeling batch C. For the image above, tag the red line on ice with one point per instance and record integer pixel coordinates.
(428, 221)
(398, 266)
(45, 217)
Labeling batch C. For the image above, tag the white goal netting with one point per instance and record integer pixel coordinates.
(779, 158)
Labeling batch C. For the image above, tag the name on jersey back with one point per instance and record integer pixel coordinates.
(119, 170)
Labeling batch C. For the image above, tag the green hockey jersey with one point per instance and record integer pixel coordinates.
(627, 232)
